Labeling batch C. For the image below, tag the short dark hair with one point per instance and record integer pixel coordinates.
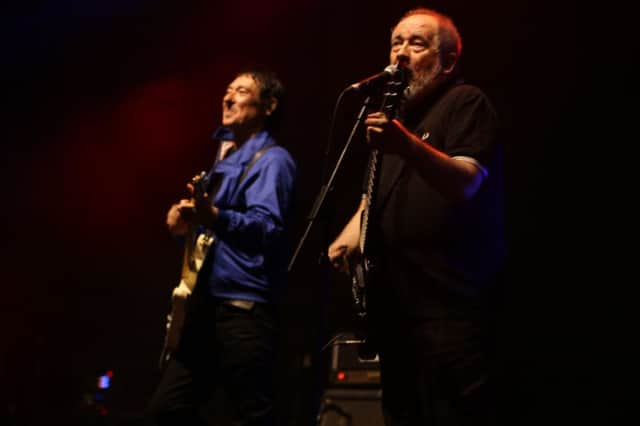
(270, 87)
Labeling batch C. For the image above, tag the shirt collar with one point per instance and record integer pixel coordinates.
(222, 134)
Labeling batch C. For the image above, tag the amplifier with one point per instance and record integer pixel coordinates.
(348, 368)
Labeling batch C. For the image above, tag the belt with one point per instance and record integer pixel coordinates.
(247, 305)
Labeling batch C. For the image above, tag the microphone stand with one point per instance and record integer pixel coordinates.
(317, 380)
(324, 189)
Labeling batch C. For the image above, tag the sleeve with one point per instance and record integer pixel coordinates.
(473, 127)
(269, 191)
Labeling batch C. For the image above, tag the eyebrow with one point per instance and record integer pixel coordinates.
(411, 37)
(239, 86)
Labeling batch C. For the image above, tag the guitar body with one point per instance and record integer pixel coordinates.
(362, 266)
(360, 269)
(195, 250)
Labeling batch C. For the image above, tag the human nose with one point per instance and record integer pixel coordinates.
(402, 51)
(227, 100)
(400, 54)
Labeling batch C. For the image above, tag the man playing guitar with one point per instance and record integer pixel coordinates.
(230, 330)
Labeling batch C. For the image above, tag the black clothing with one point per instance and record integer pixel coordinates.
(453, 248)
(222, 345)
(435, 261)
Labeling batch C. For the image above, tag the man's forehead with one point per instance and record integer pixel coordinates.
(244, 80)
(419, 22)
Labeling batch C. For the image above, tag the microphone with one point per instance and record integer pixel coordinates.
(374, 80)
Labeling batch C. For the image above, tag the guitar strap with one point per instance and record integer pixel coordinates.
(255, 158)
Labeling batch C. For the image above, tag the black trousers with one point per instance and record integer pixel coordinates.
(225, 348)
(436, 372)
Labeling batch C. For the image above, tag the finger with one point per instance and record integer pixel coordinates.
(184, 203)
(186, 210)
(378, 120)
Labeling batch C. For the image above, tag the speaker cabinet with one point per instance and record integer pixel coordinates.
(348, 368)
(351, 407)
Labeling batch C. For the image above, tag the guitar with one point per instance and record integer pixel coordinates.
(195, 250)
(362, 265)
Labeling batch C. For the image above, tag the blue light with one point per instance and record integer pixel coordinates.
(104, 382)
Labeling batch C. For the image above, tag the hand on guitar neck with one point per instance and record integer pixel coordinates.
(381, 131)
(188, 213)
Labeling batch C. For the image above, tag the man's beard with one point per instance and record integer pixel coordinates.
(421, 84)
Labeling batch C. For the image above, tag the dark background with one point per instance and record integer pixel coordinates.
(108, 111)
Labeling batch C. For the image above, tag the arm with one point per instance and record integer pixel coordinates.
(348, 241)
(255, 218)
(455, 178)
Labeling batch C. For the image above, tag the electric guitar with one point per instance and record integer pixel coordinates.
(195, 250)
(362, 265)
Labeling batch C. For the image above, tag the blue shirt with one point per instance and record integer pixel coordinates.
(251, 246)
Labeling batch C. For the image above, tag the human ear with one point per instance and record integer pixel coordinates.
(271, 106)
(449, 62)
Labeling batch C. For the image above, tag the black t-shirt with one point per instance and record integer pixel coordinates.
(434, 257)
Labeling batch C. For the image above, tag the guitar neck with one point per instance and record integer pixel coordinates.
(389, 105)
(372, 181)
(189, 267)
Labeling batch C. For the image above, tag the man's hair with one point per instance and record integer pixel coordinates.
(270, 86)
(449, 39)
